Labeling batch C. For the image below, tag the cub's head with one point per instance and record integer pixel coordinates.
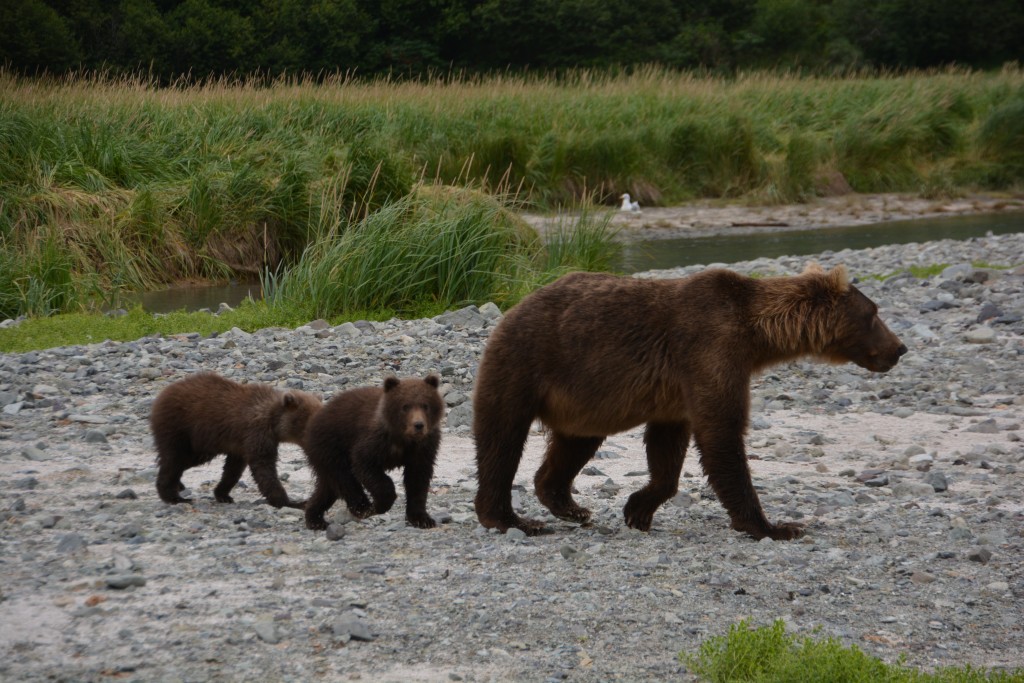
(412, 407)
(294, 410)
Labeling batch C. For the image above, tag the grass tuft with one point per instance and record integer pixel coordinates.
(770, 655)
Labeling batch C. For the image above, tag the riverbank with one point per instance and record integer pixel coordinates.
(711, 218)
(910, 484)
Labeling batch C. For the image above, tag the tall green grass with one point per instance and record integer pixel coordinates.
(128, 186)
(439, 246)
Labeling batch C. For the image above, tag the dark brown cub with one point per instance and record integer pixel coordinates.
(195, 420)
(361, 434)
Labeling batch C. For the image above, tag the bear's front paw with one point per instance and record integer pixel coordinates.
(316, 524)
(639, 514)
(421, 521)
(177, 499)
(223, 497)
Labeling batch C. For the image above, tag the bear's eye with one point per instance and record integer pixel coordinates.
(406, 408)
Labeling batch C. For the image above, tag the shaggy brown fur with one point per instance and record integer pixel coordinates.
(361, 434)
(202, 416)
(593, 355)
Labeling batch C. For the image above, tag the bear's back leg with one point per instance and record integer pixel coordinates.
(565, 457)
(234, 466)
(174, 455)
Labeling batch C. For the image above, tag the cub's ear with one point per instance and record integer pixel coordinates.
(432, 380)
(289, 400)
(390, 383)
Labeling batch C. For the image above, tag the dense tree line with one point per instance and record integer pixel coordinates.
(170, 38)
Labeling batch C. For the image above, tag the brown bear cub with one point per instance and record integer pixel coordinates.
(592, 355)
(200, 417)
(362, 433)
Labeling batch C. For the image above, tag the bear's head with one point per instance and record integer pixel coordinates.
(294, 410)
(412, 408)
(861, 337)
(822, 314)
(846, 322)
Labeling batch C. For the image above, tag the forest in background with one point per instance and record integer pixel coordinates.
(197, 39)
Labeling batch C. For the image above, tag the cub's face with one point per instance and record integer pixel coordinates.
(297, 407)
(862, 338)
(413, 407)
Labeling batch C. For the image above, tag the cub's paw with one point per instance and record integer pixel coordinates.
(361, 511)
(178, 499)
(317, 524)
(573, 513)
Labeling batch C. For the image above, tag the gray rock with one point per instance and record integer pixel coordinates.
(980, 555)
(335, 532)
(122, 581)
(959, 271)
(937, 480)
(267, 631)
(95, 436)
(352, 626)
(980, 335)
(912, 489)
(988, 426)
(460, 416)
(70, 543)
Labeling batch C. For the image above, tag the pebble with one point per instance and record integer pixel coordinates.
(207, 591)
(122, 581)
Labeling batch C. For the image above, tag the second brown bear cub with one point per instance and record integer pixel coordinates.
(362, 433)
(198, 418)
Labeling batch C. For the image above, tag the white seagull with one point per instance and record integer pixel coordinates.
(628, 205)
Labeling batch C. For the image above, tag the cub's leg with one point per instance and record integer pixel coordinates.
(417, 478)
(234, 466)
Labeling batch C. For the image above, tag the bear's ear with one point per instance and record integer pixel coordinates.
(390, 383)
(813, 268)
(432, 380)
(838, 279)
(289, 400)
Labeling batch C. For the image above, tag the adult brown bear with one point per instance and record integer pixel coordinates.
(592, 355)
(200, 417)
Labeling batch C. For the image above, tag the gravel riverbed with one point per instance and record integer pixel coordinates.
(911, 485)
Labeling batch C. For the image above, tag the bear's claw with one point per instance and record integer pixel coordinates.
(422, 521)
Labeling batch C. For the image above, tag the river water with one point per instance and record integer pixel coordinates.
(669, 253)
